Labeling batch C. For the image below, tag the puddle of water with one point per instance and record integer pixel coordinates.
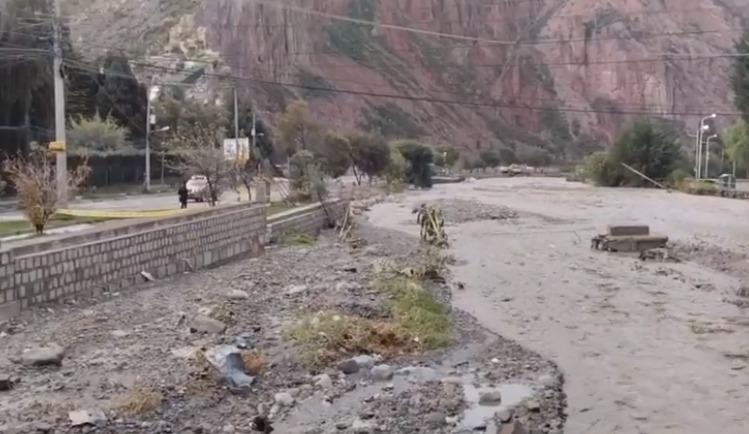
(479, 415)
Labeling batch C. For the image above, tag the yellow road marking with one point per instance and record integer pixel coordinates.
(109, 214)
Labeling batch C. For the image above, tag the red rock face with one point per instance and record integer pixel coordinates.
(559, 75)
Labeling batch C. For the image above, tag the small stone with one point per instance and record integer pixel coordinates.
(492, 397)
(547, 380)
(361, 427)
(184, 352)
(495, 360)
(229, 429)
(419, 373)
(388, 387)
(119, 333)
(738, 365)
(513, 427)
(505, 415)
(284, 399)
(205, 324)
(532, 405)
(342, 425)
(348, 366)
(43, 356)
(451, 420)
(148, 277)
(324, 381)
(87, 417)
(6, 383)
(43, 428)
(435, 419)
(364, 361)
(238, 294)
(296, 289)
(382, 373)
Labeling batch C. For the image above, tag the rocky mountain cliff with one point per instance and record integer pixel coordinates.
(559, 75)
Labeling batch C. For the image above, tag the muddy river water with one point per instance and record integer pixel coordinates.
(646, 347)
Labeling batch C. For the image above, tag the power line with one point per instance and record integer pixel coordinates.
(487, 104)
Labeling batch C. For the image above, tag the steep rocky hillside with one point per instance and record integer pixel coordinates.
(562, 75)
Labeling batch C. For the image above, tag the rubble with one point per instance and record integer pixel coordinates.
(43, 356)
(206, 324)
(227, 360)
(83, 417)
(632, 238)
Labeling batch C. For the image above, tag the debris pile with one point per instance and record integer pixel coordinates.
(628, 238)
(458, 211)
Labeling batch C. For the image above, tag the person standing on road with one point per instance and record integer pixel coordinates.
(182, 192)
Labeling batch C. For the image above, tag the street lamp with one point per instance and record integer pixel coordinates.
(698, 153)
(707, 156)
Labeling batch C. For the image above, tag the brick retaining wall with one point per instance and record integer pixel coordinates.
(28, 277)
(108, 259)
(309, 219)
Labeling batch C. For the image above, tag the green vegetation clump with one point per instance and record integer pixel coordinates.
(298, 239)
(416, 322)
(648, 147)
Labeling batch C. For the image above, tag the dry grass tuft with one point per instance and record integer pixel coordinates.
(329, 336)
(254, 362)
(140, 401)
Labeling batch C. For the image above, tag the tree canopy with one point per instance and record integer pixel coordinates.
(296, 130)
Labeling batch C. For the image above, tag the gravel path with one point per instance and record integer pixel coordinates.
(645, 347)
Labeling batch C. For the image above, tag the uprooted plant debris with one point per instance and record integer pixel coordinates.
(320, 327)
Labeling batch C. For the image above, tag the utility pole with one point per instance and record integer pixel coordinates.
(59, 83)
(236, 121)
(149, 97)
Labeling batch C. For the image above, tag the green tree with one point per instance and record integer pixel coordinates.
(740, 78)
(419, 158)
(95, 135)
(370, 155)
(334, 155)
(490, 158)
(736, 141)
(296, 130)
(646, 146)
(305, 177)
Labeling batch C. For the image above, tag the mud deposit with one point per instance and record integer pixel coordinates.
(645, 347)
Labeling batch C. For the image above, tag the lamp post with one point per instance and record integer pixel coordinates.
(700, 131)
(707, 155)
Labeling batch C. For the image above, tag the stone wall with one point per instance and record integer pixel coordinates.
(29, 277)
(309, 219)
(112, 258)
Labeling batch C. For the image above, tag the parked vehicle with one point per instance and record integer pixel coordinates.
(197, 188)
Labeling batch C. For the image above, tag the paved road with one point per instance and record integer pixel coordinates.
(645, 347)
(143, 202)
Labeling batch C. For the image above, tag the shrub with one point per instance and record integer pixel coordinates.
(35, 180)
(397, 168)
(650, 148)
(97, 135)
(305, 177)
